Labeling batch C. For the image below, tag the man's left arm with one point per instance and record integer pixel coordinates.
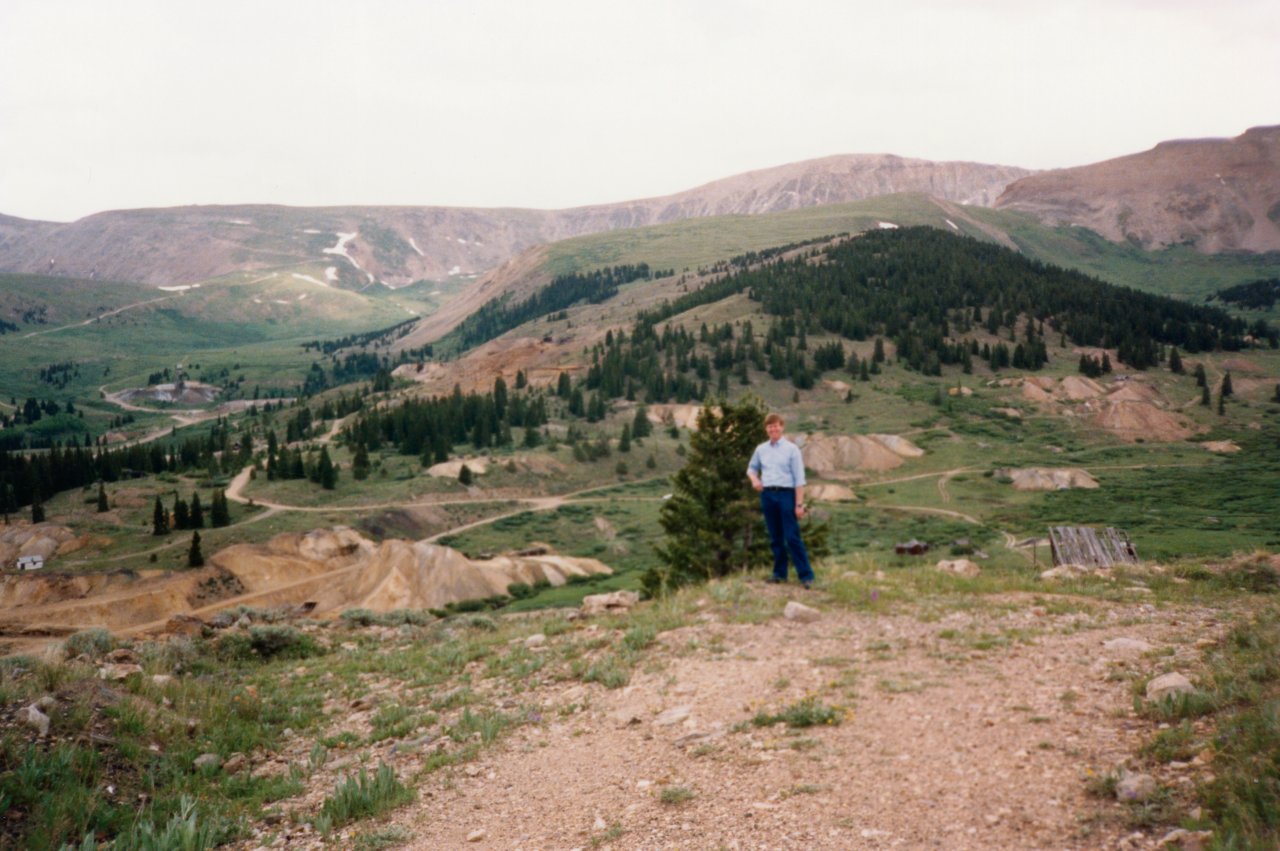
(797, 476)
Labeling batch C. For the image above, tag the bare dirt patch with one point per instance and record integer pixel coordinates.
(943, 739)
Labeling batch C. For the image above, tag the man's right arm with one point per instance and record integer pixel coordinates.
(753, 471)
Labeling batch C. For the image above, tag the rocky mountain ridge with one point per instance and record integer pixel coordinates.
(356, 247)
(1213, 194)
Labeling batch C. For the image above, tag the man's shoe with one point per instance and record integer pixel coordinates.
(807, 585)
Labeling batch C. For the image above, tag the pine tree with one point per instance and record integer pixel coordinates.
(624, 442)
(712, 522)
(220, 515)
(1175, 361)
(102, 498)
(195, 558)
(1201, 379)
(1204, 395)
(640, 425)
(159, 519)
(360, 463)
(464, 476)
(1226, 389)
(326, 473)
(181, 514)
(197, 511)
(37, 511)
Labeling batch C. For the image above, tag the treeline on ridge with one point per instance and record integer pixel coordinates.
(496, 316)
(1255, 295)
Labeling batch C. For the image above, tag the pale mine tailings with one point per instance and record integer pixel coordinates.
(337, 569)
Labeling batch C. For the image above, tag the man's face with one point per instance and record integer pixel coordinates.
(774, 430)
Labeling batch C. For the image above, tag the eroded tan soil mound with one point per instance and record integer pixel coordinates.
(339, 569)
(842, 456)
(829, 493)
(1077, 388)
(684, 416)
(35, 539)
(1140, 420)
(1220, 446)
(1050, 478)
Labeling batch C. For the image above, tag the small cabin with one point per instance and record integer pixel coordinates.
(30, 562)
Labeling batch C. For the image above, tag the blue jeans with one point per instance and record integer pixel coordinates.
(779, 508)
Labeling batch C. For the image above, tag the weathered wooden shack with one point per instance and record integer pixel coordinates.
(1089, 547)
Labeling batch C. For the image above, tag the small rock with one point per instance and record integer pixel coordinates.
(1186, 840)
(674, 715)
(535, 640)
(182, 624)
(207, 761)
(113, 671)
(800, 613)
(959, 567)
(1168, 684)
(476, 835)
(599, 824)
(1134, 646)
(244, 622)
(161, 679)
(1135, 788)
(473, 770)
(35, 718)
(235, 763)
(121, 656)
(615, 601)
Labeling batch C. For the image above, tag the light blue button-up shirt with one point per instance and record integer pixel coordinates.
(778, 465)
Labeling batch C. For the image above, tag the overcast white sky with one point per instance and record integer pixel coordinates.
(558, 103)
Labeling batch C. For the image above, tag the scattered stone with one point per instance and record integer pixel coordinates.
(615, 601)
(599, 824)
(182, 624)
(1135, 788)
(122, 656)
(1064, 571)
(800, 613)
(207, 761)
(33, 717)
(235, 763)
(244, 622)
(535, 640)
(161, 679)
(222, 620)
(691, 738)
(1127, 646)
(1168, 684)
(960, 567)
(674, 715)
(476, 835)
(113, 671)
(1186, 840)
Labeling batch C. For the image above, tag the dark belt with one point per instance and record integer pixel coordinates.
(775, 488)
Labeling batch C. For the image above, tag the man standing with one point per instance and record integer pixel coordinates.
(776, 471)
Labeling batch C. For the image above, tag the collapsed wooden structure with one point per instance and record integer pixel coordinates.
(1090, 547)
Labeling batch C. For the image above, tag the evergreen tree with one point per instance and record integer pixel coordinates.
(159, 519)
(181, 514)
(1202, 380)
(712, 521)
(360, 463)
(1226, 389)
(624, 442)
(37, 511)
(102, 498)
(220, 514)
(326, 473)
(1204, 395)
(1175, 361)
(195, 558)
(640, 425)
(1222, 404)
(197, 511)
(464, 476)
(1276, 398)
